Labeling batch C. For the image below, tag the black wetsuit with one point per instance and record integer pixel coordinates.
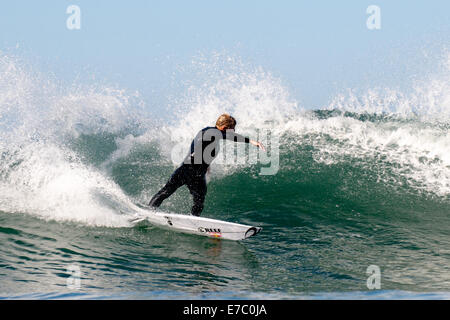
(204, 149)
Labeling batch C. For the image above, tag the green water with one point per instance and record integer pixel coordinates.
(324, 223)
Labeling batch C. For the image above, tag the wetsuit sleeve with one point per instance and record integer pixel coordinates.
(236, 137)
(197, 142)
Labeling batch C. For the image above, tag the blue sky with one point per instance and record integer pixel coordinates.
(317, 48)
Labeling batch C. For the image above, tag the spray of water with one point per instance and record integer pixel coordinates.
(41, 174)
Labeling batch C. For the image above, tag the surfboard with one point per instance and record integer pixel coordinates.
(197, 225)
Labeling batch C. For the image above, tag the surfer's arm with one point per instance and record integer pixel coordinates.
(236, 137)
(257, 144)
(233, 136)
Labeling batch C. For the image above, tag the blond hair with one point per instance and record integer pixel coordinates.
(226, 121)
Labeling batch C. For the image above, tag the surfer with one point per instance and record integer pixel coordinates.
(192, 171)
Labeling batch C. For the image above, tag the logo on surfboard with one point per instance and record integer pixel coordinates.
(208, 230)
(169, 221)
(213, 232)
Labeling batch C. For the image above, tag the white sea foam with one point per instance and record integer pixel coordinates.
(40, 174)
(409, 141)
(50, 184)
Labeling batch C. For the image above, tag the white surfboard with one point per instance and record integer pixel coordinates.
(197, 225)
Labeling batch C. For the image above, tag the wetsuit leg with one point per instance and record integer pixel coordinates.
(178, 178)
(197, 187)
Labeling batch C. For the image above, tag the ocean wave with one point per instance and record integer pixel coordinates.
(86, 154)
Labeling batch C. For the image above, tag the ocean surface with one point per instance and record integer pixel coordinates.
(361, 182)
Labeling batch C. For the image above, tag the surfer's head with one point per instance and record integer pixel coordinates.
(225, 122)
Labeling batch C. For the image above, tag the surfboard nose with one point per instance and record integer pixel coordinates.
(252, 231)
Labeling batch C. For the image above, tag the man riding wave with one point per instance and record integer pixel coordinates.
(203, 151)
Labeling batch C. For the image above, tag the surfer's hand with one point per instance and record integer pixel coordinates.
(258, 144)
